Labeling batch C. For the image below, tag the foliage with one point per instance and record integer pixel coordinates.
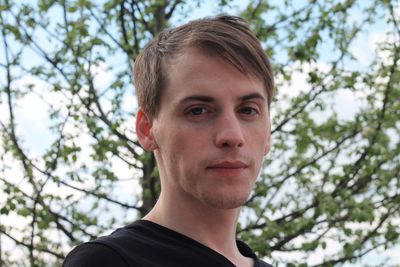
(330, 186)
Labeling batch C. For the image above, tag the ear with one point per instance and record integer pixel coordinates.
(144, 132)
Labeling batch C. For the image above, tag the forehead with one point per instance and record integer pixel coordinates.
(196, 71)
(192, 53)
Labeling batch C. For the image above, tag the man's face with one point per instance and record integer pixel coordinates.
(211, 132)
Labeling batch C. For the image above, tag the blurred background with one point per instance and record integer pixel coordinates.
(71, 168)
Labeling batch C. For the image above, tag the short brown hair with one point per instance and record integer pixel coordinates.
(228, 37)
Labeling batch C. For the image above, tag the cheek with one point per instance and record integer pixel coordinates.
(259, 146)
(258, 137)
(188, 151)
(178, 146)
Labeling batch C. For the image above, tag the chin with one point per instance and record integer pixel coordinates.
(225, 201)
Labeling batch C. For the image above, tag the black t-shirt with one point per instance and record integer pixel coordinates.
(147, 244)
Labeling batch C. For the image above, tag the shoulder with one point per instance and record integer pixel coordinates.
(93, 254)
(117, 249)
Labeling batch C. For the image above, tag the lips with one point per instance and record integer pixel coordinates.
(227, 168)
(229, 165)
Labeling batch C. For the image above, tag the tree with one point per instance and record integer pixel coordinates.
(329, 180)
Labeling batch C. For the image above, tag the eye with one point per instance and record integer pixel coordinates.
(197, 111)
(249, 111)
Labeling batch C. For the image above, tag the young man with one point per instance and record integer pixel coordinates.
(204, 92)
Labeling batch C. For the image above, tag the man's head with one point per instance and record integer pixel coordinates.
(226, 37)
(204, 92)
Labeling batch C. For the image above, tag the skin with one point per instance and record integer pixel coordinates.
(209, 139)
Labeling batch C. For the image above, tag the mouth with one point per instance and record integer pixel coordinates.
(229, 165)
(228, 168)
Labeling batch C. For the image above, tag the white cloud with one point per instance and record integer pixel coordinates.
(361, 51)
(298, 83)
(375, 42)
(102, 76)
(29, 108)
(347, 104)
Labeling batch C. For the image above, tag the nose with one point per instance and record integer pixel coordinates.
(229, 132)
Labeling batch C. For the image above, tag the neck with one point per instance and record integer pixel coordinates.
(214, 228)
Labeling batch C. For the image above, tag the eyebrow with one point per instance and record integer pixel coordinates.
(209, 99)
(252, 96)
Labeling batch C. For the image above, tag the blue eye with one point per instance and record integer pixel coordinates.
(197, 111)
(249, 111)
